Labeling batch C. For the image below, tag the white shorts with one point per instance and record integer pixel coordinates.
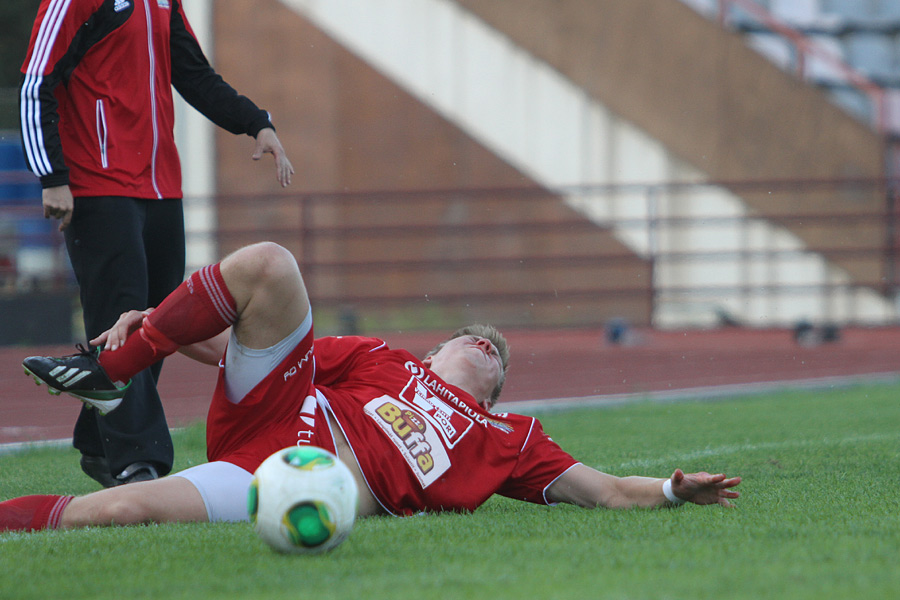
(223, 487)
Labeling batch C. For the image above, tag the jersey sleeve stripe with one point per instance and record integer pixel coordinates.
(528, 437)
(32, 133)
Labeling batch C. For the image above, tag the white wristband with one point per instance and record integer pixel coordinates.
(670, 495)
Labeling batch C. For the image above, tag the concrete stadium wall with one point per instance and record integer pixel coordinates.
(681, 98)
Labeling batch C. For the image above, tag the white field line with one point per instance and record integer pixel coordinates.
(14, 447)
(675, 458)
(715, 392)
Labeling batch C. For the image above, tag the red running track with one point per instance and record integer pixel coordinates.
(544, 365)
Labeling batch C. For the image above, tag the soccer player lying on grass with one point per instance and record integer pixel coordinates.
(417, 434)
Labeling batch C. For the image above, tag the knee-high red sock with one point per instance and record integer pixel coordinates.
(30, 513)
(198, 309)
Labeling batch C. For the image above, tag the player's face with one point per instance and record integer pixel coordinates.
(471, 363)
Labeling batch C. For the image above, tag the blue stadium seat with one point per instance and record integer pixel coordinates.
(24, 234)
(871, 53)
(889, 11)
(797, 13)
(17, 185)
(849, 9)
(864, 12)
(822, 71)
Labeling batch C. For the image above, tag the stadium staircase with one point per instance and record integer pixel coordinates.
(576, 96)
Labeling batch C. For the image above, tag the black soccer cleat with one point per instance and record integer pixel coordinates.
(79, 375)
(97, 468)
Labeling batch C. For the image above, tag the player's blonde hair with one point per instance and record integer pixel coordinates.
(488, 332)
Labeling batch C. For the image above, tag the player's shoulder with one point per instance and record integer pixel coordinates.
(514, 419)
(350, 340)
(520, 421)
(511, 415)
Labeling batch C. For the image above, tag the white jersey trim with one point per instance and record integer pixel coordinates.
(323, 402)
(546, 487)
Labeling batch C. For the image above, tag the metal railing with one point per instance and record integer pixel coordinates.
(675, 262)
(806, 51)
(524, 258)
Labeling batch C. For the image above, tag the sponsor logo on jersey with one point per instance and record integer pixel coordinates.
(294, 369)
(307, 420)
(419, 443)
(163, 4)
(450, 423)
(504, 427)
(121, 5)
(435, 385)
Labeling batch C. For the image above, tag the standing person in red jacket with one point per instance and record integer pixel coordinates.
(98, 129)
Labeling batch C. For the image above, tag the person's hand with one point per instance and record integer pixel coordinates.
(703, 488)
(58, 204)
(267, 143)
(115, 336)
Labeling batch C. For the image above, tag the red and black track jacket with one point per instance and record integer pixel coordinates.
(96, 96)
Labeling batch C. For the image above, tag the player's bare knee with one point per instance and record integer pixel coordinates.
(278, 264)
(259, 271)
(262, 264)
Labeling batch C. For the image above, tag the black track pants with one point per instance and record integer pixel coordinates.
(127, 254)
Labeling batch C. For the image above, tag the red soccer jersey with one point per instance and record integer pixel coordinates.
(422, 444)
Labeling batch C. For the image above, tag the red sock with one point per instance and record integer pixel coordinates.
(197, 310)
(30, 513)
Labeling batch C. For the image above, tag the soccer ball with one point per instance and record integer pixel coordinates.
(303, 500)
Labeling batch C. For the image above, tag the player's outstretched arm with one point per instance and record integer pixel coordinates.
(587, 487)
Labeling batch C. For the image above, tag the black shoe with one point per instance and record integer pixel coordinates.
(79, 375)
(139, 471)
(97, 468)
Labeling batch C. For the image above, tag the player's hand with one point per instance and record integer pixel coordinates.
(703, 488)
(58, 204)
(113, 338)
(267, 143)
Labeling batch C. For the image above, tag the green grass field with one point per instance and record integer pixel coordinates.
(819, 518)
